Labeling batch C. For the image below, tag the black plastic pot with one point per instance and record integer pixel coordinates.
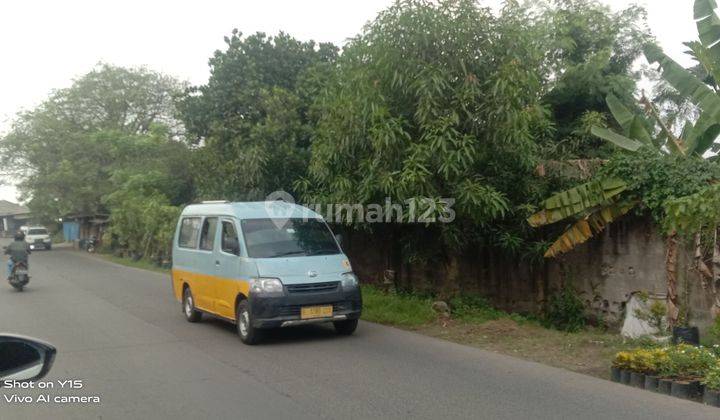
(664, 386)
(651, 383)
(689, 335)
(685, 389)
(711, 397)
(615, 374)
(625, 376)
(637, 379)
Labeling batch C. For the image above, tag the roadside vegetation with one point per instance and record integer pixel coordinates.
(473, 321)
(529, 118)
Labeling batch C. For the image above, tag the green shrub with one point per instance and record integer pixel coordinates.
(686, 361)
(654, 315)
(565, 311)
(712, 377)
(473, 308)
(714, 331)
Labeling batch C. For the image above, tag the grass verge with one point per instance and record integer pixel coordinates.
(143, 264)
(475, 323)
(396, 309)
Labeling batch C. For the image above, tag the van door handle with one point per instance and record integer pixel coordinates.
(217, 262)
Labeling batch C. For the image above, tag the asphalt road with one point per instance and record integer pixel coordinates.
(120, 331)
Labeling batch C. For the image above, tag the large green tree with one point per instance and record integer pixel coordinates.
(251, 120)
(592, 57)
(447, 99)
(79, 145)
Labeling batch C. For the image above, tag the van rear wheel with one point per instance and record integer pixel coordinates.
(188, 304)
(346, 327)
(248, 334)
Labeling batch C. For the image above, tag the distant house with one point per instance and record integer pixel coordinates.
(77, 227)
(13, 216)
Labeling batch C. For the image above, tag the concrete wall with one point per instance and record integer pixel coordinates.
(627, 258)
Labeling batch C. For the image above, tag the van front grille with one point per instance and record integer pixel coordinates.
(329, 286)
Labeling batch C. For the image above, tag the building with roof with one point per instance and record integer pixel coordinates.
(12, 216)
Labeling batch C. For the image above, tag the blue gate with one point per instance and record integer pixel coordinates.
(71, 231)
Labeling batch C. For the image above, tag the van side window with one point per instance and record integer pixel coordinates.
(207, 237)
(230, 243)
(189, 229)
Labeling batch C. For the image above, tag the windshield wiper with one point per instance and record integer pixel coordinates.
(326, 251)
(284, 254)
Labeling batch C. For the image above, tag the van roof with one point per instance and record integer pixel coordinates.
(251, 210)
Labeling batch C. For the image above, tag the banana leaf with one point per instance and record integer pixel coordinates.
(703, 134)
(705, 57)
(707, 139)
(638, 131)
(708, 26)
(621, 114)
(577, 200)
(616, 139)
(587, 227)
(687, 84)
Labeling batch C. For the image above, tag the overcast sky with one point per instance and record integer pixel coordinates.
(46, 44)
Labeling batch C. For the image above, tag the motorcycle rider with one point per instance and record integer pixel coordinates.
(18, 251)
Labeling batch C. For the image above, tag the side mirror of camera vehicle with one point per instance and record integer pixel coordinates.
(24, 358)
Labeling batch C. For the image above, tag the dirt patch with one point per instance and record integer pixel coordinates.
(589, 352)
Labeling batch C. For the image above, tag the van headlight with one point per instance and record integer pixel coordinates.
(349, 281)
(266, 286)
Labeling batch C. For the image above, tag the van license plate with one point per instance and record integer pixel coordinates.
(309, 312)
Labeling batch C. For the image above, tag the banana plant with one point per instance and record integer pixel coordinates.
(599, 202)
(592, 206)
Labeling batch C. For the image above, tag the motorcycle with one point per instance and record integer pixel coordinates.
(90, 245)
(19, 277)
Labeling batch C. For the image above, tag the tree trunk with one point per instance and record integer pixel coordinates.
(671, 271)
(705, 274)
(715, 282)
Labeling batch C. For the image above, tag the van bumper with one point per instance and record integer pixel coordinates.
(284, 311)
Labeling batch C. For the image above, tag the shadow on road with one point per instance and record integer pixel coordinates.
(299, 334)
(6, 288)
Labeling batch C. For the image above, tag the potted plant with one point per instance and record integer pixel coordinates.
(642, 364)
(686, 365)
(620, 371)
(711, 396)
(651, 361)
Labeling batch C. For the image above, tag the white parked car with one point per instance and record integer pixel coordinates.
(37, 237)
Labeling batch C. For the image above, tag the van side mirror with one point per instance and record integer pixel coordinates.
(338, 238)
(23, 358)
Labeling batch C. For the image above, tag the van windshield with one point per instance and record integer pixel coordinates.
(271, 238)
(38, 231)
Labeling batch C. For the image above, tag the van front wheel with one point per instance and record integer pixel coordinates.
(248, 334)
(346, 327)
(188, 304)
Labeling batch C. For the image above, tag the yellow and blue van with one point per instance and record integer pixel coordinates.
(262, 265)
